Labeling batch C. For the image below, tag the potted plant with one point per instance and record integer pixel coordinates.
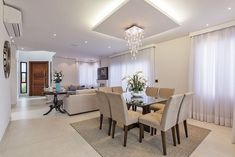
(57, 79)
(136, 83)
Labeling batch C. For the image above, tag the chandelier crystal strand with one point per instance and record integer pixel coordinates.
(134, 36)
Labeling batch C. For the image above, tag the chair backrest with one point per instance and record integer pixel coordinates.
(151, 91)
(103, 104)
(117, 89)
(184, 108)
(105, 89)
(170, 113)
(166, 93)
(118, 107)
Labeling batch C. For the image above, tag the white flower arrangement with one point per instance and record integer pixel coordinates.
(58, 76)
(136, 82)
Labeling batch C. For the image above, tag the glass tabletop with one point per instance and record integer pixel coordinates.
(141, 101)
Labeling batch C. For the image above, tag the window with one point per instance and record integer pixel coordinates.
(123, 65)
(88, 74)
(23, 77)
(213, 60)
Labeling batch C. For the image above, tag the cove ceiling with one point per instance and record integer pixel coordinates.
(100, 23)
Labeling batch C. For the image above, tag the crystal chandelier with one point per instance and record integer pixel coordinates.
(134, 35)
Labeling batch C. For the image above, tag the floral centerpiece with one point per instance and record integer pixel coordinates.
(136, 83)
(57, 78)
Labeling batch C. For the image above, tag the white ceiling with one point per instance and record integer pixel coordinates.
(150, 19)
(73, 21)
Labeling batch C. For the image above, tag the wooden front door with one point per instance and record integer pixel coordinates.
(38, 77)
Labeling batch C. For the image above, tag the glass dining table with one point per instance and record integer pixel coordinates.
(143, 101)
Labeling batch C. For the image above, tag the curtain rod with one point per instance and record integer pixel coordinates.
(126, 52)
(213, 28)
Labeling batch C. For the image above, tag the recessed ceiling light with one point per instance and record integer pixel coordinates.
(109, 47)
(22, 48)
(207, 25)
(229, 8)
(54, 35)
(86, 42)
(11, 37)
(12, 41)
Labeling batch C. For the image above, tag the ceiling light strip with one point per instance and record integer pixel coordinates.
(214, 28)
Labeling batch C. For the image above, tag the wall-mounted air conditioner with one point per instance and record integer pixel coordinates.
(12, 20)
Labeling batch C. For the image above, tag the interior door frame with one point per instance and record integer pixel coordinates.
(30, 74)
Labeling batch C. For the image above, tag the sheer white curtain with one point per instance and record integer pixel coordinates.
(214, 77)
(87, 73)
(123, 65)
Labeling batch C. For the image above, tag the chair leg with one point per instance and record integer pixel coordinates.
(110, 126)
(173, 135)
(125, 135)
(133, 107)
(114, 126)
(163, 134)
(155, 131)
(186, 128)
(101, 121)
(178, 133)
(151, 131)
(141, 135)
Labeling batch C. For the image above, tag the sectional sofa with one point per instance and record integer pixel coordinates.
(84, 100)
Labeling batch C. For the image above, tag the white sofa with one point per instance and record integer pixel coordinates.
(83, 101)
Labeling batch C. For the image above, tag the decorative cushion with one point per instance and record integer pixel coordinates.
(72, 88)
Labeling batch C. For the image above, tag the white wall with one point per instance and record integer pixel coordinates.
(104, 62)
(5, 92)
(13, 76)
(69, 69)
(171, 64)
(27, 56)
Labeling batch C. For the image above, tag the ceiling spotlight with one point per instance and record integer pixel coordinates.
(11, 37)
(229, 8)
(54, 35)
(207, 25)
(86, 42)
(22, 48)
(12, 41)
(109, 47)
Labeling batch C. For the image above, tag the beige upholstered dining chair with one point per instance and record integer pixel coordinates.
(120, 113)
(183, 114)
(151, 91)
(104, 107)
(105, 89)
(165, 93)
(164, 121)
(117, 89)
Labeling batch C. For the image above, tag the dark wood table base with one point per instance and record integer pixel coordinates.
(57, 105)
(145, 110)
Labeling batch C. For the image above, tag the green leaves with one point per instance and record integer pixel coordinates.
(136, 82)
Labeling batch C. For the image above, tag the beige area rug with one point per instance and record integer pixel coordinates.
(151, 146)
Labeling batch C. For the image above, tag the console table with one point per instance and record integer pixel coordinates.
(56, 105)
